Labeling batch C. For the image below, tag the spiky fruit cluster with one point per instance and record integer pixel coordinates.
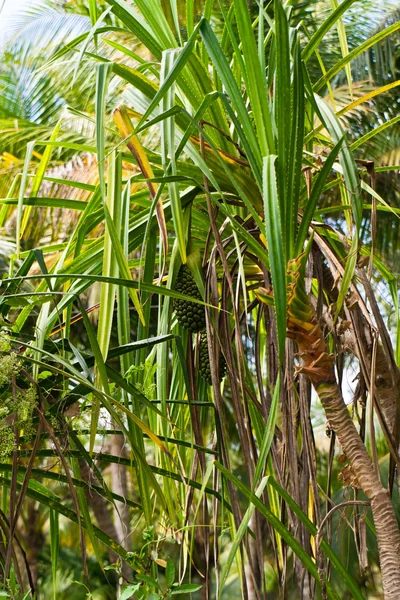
(189, 314)
(204, 360)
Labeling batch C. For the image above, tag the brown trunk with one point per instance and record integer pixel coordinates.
(384, 517)
(359, 341)
(319, 366)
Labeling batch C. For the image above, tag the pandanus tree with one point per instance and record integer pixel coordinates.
(218, 156)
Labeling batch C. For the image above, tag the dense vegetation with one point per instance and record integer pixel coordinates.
(199, 313)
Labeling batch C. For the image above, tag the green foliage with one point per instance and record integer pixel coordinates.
(224, 136)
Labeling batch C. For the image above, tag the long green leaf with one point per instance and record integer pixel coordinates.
(312, 202)
(283, 109)
(374, 132)
(352, 194)
(103, 72)
(239, 536)
(269, 432)
(225, 73)
(351, 584)
(296, 144)
(254, 79)
(54, 547)
(27, 162)
(375, 39)
(168, 151)
(279, 527)
(325, 27)
(275, 247)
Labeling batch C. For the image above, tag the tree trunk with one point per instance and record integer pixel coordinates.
(387, 530)
(319, 367)
(318, 364)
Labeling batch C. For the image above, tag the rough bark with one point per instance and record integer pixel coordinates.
(358, 339)
(387, 530)
(318, 364)
(360, 344)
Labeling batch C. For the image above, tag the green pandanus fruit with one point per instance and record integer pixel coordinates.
(204, 360)
(189, 314)
(318, 364)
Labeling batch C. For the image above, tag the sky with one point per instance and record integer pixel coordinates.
(8, 8)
